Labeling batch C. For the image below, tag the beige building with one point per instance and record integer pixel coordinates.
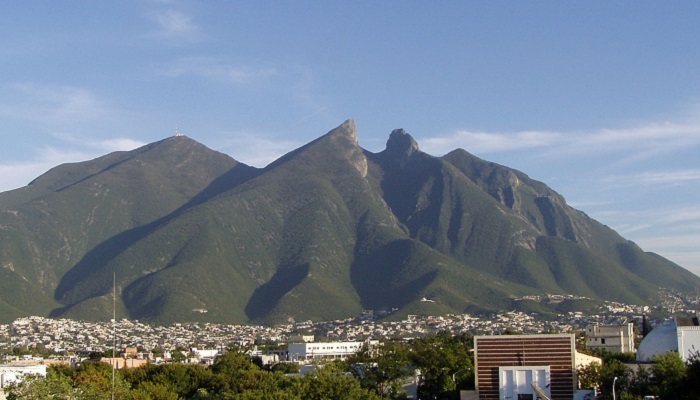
(120, 363)
(613, 338)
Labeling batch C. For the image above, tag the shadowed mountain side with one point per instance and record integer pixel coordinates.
(547, 212)
(300, 212)
(322, 233)
(266, 297)
(48, 226)
(390, 277)
(448, 212)
(89, 279)
(566, 260)
(176, 293)
(655, 269)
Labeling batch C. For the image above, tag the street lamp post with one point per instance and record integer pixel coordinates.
(455, 374)
(613, 387)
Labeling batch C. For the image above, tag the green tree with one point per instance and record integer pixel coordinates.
(614, 372)
(184, 380)
(441, 358)
(669, 372)
(382, 369)
(284, 367)
(55, 386)
(692, 377)
(639, 383)
(232, 371)
(154, 391)
(179, 354)
(590, 376)
(331, 382)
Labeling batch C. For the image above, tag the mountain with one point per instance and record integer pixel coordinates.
(322, 233)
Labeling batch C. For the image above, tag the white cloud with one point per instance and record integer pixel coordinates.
(676, 177)
(98, 146)
(680, 218)
(117, 144)
(213, 69)
(489, 142)
(176, 25)
(19, 174)
(635, 143)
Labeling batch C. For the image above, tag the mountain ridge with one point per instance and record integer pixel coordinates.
(323, 232)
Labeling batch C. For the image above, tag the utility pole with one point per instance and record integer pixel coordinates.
(114, 329)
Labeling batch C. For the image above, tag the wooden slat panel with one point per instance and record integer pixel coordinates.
(555, 351)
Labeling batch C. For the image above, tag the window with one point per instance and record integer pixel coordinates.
(526, 397)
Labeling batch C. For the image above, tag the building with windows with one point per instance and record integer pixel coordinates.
(617, 338)
(302, 352)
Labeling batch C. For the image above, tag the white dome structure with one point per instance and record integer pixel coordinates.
(681, 335)
(660, 340)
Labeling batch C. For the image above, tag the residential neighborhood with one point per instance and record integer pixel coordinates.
(612, 329)
(68, 336)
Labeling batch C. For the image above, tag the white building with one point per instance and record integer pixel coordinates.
(681, 335)
(302, 352)
(613, 338)
(205, 353)
(521, 382)
(14, 373)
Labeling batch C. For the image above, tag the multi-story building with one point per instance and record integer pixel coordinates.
(613, 338)
(302, 352)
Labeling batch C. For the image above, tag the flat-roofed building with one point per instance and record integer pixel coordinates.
(121, 363)
(508, 366)
(326, 350)
(617, 338)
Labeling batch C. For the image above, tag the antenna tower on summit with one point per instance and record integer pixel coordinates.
(177, 132)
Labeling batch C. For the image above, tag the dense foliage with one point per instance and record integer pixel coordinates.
(233, 376)
(444, 362)
(669, 378)
(440, 365)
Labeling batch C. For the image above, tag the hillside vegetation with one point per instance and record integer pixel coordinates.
(322, 233)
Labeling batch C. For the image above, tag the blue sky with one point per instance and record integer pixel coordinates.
(600, 100)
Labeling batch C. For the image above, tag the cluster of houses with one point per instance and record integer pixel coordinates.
(520, 366)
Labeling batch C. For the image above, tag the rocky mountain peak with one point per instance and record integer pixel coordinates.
(401, 145)
(346, 131)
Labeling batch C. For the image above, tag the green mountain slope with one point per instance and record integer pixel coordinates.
(50, 225)
(322, 233)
